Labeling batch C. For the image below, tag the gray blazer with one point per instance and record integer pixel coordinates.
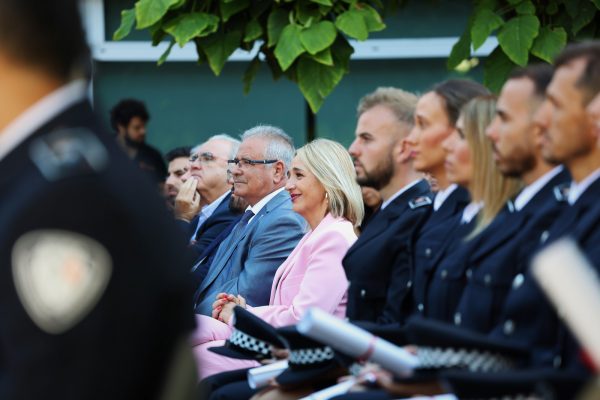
(247, 267)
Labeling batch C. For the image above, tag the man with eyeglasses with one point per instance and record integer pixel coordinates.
(206, 185)
(246, 261)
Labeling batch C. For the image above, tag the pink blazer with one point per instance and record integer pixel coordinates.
(312, 275)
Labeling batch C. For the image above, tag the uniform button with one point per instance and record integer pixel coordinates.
(420, 307)
(444, 274)
(518, 281)
(363, 292)
(457, 318)
(509, 327)
(428, 252)
(544, 236)
(469, 273)
(487, 279)
(408, 284)
(557, 361)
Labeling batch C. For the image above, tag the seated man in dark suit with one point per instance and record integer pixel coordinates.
(247, 259)
(208, 183)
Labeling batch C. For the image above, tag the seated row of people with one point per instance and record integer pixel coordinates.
(460, 256)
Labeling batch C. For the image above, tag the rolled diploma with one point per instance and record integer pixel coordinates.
(332, 391)
(260, 376)
(356, 342)
(572, 285)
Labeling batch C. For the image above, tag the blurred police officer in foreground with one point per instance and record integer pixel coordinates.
(90, 306)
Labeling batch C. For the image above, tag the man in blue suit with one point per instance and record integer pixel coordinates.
(207, 185)
(247, 259)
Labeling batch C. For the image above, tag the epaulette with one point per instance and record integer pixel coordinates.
(69, 152)
(561, 192)
(510, 205)
(420, 201)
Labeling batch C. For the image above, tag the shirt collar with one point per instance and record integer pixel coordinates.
(263, 202)
(532, 189)
(470, 211)
(442, 195)
(398, 193)
(39, 113)
(209, 209)
(577, 189)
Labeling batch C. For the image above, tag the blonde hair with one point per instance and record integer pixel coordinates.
(488, 184)
(331, 164)
(400, 102)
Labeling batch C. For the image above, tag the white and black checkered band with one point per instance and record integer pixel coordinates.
(310, 356)
(472, 360)
(250, 343)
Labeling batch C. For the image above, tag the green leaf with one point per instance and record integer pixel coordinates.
(484, 23)
(218, 47)
(371, 17)
(147, 12)
(352, 24)
(552, 7)
(496, 70)
(318, 37)
(596, 3)
(526, 8)
(516, 37)
(549, 43)
(188, 26)
(587, 12)
(164, 55)
(323, 2)
(324, 57)
(278, 20)
(289, 46)
(572, 7)
(316, 81)
(127, 21)
(250, 74)
(460, 51)
(253, 31)
(157, 33)
(341, 52)
(230, 8)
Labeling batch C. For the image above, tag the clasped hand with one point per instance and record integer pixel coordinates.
(222, 308)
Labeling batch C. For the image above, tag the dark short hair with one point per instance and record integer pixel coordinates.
(589, 81)
(539, 74)
(456, 93)
(45, 34)
(125, 110)
(178, 152)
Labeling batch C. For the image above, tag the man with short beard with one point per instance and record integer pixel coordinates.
(385, 118)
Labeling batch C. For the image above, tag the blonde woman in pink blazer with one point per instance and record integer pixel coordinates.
(323, 189)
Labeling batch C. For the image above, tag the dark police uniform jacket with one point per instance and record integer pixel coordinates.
(548, 338)
(94, 292)
(433, 241)
(378, 263)
(501, 252)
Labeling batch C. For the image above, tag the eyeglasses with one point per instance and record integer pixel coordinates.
(244, 162)
(204, 158)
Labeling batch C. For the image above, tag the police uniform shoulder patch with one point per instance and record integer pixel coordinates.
(59, 276)
(420, 201)
(561, 192)
(68, 152)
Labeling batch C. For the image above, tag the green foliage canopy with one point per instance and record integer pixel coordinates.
(307, 40)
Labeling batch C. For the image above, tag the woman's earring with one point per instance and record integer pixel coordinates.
(326, 196)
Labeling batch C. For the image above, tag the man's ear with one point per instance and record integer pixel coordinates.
(401, 152)
(279, 172)
(121, 129)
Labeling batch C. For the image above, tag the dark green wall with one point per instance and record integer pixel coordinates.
(188, 103)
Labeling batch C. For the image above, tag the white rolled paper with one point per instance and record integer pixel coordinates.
(356, 342)
(332, 391)
(260, 376)
(572, 285)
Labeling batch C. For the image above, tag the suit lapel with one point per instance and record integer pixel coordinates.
(223, 259)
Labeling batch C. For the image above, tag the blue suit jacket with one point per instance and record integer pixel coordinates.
(247, 266)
